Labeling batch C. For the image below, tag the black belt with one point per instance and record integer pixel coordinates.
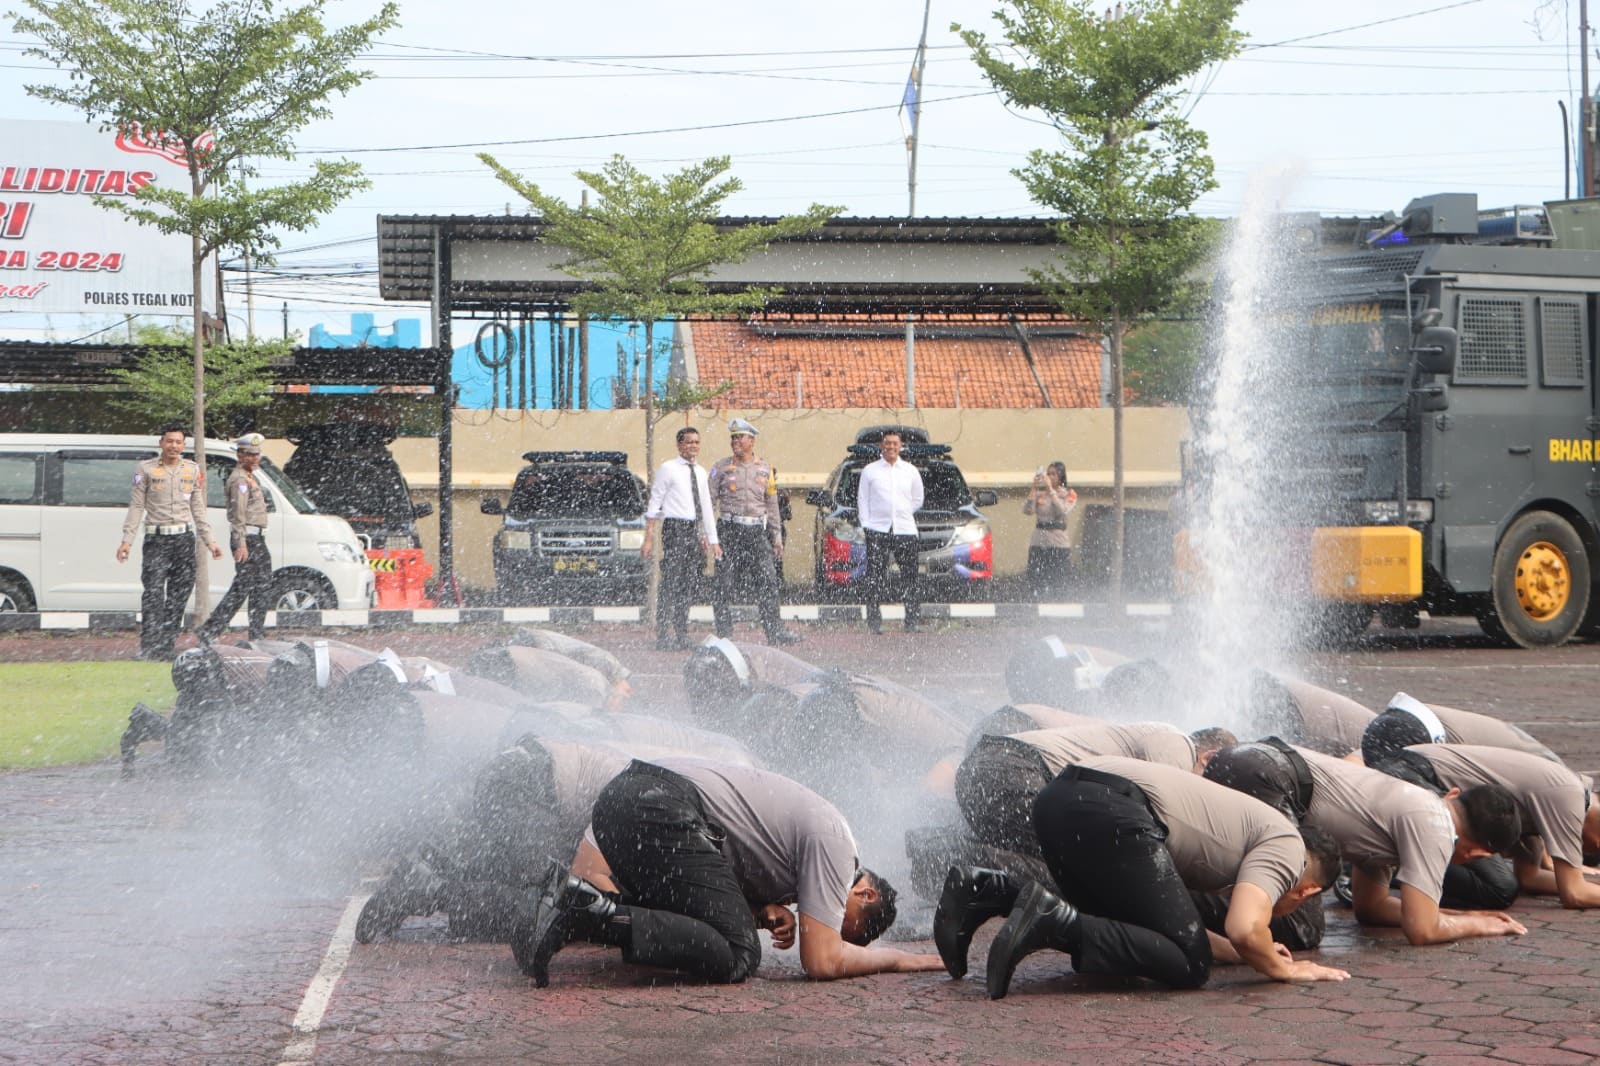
(691, 521)
(1050, 525)
(1298, 767)
(1115, 782)
(709, 829)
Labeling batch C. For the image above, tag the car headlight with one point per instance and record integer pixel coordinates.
(969, 533)
(338, 551)
(1387, 512)
(842, 530)
(630, 540)
(516, 539)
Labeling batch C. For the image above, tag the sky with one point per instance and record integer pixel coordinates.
(1352, 108)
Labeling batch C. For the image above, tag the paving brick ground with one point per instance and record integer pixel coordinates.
(169, 921)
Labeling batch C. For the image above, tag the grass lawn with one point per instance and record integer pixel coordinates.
(52, 714)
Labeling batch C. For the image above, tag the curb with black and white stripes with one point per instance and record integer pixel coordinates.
(70, 621)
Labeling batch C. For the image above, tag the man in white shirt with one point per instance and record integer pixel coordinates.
(887, 501)
(680, 503)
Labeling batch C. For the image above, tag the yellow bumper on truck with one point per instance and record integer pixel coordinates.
(1347, 564)
(1366, 564)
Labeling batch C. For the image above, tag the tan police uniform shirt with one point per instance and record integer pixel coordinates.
(1329, 723)
(1050, 507)
(1469, 727)
(247, 504)
(1550, 797)
(747, 490)
(1382, 824)
(167, 496)
(1149, 741)
(1217, 837)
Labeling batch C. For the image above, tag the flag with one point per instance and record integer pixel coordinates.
(911, 99)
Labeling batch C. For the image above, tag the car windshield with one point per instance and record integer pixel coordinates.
(573, 491)
(355, 487)
(291, 492)
(943, 487)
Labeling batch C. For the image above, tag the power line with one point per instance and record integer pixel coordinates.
(641, 133)
(1366, 25)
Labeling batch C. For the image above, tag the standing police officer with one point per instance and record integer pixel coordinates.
(247, 536)
(744, 491)
(169, 499)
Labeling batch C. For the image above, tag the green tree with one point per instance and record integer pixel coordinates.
(238, 377)
(1129, 169)
(1161, 359)
(648, 246)
(220, 85)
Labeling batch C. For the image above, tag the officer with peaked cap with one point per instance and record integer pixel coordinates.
(744, 494)
(247, 536)
(169, 502)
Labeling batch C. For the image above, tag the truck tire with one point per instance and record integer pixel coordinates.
(15, 595)
(1540, 587)
(1339, 625)
(296, 591)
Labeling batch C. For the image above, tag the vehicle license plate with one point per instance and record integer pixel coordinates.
(576, 566)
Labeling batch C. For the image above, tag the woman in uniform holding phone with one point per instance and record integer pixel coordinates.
(1050, 550)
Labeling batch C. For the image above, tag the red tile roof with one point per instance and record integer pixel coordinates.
(862, 363)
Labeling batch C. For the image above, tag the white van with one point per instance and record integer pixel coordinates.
(62, 501)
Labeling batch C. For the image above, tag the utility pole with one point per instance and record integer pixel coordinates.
(1585, 107)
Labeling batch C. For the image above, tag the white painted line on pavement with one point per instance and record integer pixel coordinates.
(64, 620)
(308, 1019)
(1061, 610)
(621, 614)
(972, 610)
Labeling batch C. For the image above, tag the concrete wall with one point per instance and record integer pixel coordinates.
(997, 449)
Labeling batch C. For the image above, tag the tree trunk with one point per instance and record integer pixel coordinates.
(653, 581)
(202, 568)
(1114, 587)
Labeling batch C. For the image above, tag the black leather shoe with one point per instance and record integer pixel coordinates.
(568, 909)
(785, 636)
(1040, 919)
(413, 888)
(972, 895)
(913, 627)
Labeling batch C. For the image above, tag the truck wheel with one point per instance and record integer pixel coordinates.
(1338, 625)
(15, 595)
(1540, 587)
(302, 592)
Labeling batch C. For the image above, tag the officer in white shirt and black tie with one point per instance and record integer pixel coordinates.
(887, 502)
(680, 503)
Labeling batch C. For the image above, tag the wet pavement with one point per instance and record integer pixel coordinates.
(163, 920)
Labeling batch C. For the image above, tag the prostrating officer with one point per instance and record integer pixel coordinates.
(247, 536)
(744, 492)
(169, 499)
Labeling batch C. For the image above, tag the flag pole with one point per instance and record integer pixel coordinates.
(914, 95)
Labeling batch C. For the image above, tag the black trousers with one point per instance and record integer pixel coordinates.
(1301, 929)
(903, 549)
(1108, 854)
(996, 785)
(679, 893)
(1486, 884)
(682, 563)
(167, 573)
(745, 570)
(1263, 772)
(1048, 570)
(252, 582)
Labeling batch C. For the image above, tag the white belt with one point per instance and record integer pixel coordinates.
(167, 531)
(741, 520)
(255, 531)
